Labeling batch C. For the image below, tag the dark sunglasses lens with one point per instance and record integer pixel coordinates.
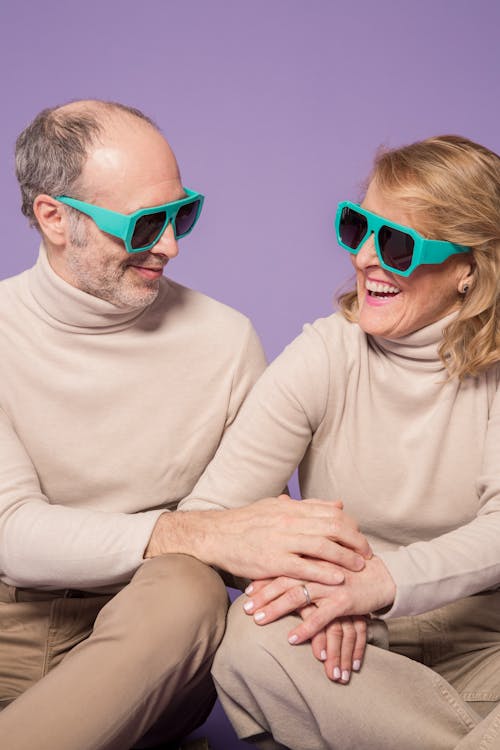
(396, 248)
(147, 228)
(186, 217)
(352, 228)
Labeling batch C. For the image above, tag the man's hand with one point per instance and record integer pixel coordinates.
(311, 539)
(361, 593)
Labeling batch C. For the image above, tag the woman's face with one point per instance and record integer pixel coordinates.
(392, 306)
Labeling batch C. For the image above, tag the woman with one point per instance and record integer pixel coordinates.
(392, 405)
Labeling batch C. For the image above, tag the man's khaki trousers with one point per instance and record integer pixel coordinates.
(98, 672)
(436, 686)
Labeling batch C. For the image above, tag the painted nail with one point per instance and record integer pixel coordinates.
(356, 665)
(336, 673)
(345, 675)
(322, 655)
(259, 616)
(249, 589)
(293, 639)
(248, 606)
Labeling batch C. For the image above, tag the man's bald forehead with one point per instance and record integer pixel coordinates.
(101, 112)
(53, 150)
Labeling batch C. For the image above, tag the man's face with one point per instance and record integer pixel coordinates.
(132, 168)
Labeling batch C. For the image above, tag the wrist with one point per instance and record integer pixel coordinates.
(385, 584)
(182, 533)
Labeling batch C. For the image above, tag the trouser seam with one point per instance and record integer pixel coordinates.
(465, 718)
(51, 630)
(492, 733)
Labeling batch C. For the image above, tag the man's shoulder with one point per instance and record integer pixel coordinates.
(10, 288)
(193, 306)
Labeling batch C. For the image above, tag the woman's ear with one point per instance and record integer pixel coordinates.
(51, 218)
(466, 277)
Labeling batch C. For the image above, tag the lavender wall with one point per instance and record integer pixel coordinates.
(274, 108)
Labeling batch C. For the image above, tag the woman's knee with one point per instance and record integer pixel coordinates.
(248, 647)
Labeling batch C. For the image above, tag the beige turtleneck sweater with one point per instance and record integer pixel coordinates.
(414, 457)
(107, 417)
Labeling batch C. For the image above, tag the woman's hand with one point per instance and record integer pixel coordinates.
(340, 646)
(361, 593)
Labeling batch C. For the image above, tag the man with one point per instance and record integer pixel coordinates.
(116, 386)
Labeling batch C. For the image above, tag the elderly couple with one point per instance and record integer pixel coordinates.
(143, 451)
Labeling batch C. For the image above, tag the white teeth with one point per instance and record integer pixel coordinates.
(377, 286)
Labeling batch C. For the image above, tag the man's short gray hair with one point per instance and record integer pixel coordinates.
(51, 152)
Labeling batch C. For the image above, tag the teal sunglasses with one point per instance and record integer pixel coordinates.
(143, 228)
(399, 249)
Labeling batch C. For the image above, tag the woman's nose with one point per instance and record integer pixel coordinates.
(367, 254)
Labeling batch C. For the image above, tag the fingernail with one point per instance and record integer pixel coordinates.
(336, 673)
(360, 563)
(356, 665)
(249, 589)
(345, 675)
(259, 616)
(293, 639)
(248, 606)
(322, 655)
(339, 578)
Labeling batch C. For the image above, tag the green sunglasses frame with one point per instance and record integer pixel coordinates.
(123, 225)
(425, 251)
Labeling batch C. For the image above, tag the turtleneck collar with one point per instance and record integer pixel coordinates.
(421, 347)
(64, 306)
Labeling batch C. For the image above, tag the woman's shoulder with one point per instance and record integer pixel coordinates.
(336, 334)
(330, 344)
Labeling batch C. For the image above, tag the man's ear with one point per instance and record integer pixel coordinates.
(51, 218)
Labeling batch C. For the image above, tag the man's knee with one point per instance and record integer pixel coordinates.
(171, 601)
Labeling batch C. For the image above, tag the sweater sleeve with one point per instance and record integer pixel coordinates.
(51, 546)
(260, 451)
(44, 544)
(462, 562)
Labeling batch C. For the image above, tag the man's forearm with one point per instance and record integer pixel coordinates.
(274, 536)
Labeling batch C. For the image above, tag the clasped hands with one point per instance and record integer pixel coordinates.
(284, 545)
(334, 615)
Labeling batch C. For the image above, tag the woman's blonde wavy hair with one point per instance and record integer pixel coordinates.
(451, 186)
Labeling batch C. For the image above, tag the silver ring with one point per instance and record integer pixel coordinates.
(306, 594)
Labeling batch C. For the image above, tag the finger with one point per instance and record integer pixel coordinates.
(361, 627)
(326, 611)
(291, 600)
(311, 569)
(347, 649)
(310, 506)
(334, 633)
(345, 528)
(318, 642)
(327, 503)
(329, 550)
(257, 585)
(271, 590)
(319, 646)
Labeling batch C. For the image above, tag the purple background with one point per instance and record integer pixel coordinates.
(274, 109)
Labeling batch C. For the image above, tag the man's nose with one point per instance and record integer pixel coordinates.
(367, 254)
(167, 244)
